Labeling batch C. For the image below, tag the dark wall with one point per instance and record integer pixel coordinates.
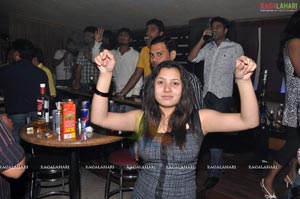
(246, 33)
(3, 38)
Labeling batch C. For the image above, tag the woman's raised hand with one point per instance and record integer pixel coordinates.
(244, 68)
(105, 61)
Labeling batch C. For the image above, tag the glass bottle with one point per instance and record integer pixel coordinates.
(91, 84)
(208, 37)
(43, 104)
(263, 108)
(279, 116)
(271, 121)
(112, 87)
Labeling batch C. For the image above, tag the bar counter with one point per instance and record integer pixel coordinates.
(70, 92)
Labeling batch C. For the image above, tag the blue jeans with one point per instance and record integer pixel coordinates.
(216, 140)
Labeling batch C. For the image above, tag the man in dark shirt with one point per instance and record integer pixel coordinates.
(20, 83)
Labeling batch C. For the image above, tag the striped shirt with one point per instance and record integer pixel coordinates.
(197, 86)
(11, 153)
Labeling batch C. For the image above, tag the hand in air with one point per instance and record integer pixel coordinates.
(244, 68)
(105, 61)
(99, 34)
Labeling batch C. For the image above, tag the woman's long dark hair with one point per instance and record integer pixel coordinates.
(292, 30)
(183, 110)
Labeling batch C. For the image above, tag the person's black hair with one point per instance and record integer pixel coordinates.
(39, 55)
(170, 43)
(291, 31)
(24, 47)
(126, 30)
(91, 29)
(183, 110)
(222, 20)
(158, 23)
(108, 34)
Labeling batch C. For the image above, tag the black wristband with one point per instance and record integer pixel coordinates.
(97, 92)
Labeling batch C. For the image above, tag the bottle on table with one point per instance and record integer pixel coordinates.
(271, 123)
(91, 84)
(29, 127)
(43, 104)
(279, 116)
(56, 119)
(112, 88)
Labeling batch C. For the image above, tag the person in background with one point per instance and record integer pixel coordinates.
(219, 57)
(20, 82)
(126, 60)
(64, 60)
(289, 64)
(12, 156)
(163, 48)
(9, 58)
(85, 67)
(108, 40)
(154, 28)
(38, 60)
(170, 129)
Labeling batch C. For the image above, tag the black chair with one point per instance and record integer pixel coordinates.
(48, 170)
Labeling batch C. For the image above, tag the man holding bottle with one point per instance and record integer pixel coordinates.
(219, 57)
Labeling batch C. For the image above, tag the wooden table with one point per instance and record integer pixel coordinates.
(73, 145)
(132, 101)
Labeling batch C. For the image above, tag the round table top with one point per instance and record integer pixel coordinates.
(53, 141)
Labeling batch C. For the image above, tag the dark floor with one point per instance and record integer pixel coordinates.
(241, 181)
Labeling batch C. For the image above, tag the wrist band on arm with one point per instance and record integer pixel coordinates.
(97, 92)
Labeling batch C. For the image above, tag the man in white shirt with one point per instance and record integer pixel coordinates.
(64, 60)
(126, 59)
(219, 55)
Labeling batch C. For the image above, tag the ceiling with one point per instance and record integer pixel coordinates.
(113, 14)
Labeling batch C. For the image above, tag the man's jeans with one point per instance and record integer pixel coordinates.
(216, 144)
(216, 162)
